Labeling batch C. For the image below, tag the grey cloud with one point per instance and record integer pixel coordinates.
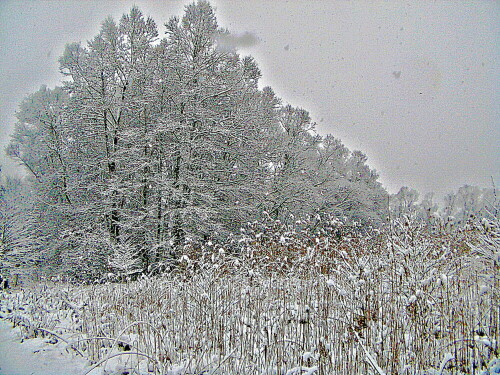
(234, 41)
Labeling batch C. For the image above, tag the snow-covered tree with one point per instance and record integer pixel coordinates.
(19, 248)
(404, 202)
(152, 142)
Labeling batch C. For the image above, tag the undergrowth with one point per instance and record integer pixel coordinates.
(283, 299)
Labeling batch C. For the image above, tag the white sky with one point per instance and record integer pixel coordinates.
(414, 85)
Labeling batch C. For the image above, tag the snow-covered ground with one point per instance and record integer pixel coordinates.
(35, 356)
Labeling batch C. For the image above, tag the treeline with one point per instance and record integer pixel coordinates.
(154, 141)
(469, 205)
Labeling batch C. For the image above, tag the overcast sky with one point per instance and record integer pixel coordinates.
(414, 85)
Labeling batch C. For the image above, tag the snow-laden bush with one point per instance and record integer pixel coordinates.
(282, 299)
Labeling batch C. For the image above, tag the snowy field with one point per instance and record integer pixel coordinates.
(35, 356)
(412, 304)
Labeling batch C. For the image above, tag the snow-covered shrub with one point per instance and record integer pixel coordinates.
(298, 298)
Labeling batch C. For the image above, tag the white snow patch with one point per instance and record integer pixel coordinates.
(35, 356)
